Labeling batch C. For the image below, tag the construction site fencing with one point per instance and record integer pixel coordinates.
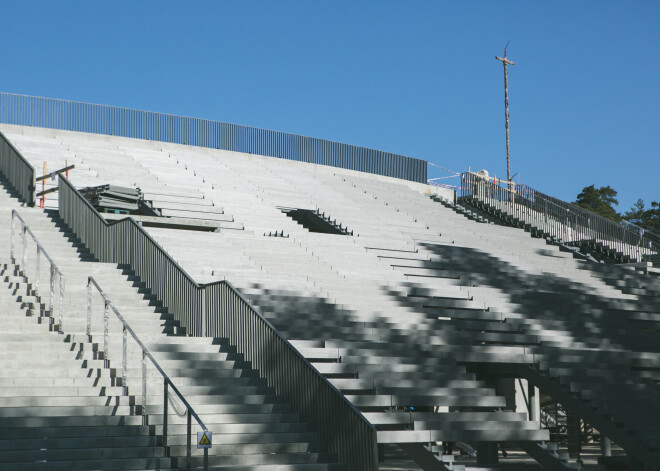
(17, 171)
(219, 310)
(563, 221)
(101, 119)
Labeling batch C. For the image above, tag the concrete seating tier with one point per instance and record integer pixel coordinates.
(419, 295)
(74, 395)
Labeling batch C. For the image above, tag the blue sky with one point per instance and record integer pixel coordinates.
(415, 78)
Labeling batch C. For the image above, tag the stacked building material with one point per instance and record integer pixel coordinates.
(113, 198)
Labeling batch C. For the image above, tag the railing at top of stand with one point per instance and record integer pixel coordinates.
(24, 266)
(167, 382)
(651, 234)
(17, 170)
(217, 309)
(101, 119)
(565, 221)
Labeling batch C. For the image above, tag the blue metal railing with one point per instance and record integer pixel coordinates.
(101, 119)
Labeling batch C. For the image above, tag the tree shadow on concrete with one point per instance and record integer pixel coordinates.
(594, 342)
(554, 303)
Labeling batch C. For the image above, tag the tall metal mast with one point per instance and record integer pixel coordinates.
(506, 62)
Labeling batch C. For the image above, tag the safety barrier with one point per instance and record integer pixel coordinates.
(218, 310)
(18, 171)
(101, 119)
(564, 221)
(168, 385)
(36, 270)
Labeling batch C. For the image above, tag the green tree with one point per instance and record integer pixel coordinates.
(645, 217)
(636, 214)
(599, 201)
(653, 216)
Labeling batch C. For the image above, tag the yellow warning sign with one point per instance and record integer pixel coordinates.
(204, 439)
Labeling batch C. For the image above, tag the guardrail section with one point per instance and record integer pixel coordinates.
(54, 272)
(218, 310)
(17, 170)
(566, 222)
(101, 119)
(146, 355)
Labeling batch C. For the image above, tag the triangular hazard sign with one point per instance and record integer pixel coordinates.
(204, 440)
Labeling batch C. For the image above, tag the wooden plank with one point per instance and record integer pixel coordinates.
(45, 192)
(44, 177)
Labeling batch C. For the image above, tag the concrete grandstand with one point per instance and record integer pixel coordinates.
(313, 315)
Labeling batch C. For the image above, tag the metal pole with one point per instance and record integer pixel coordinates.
(144, 388)
(506, 62)
(52, 291)
(89, 306)
(24, 267)
(11, 250)
(203, 299)
(61, 314)
(506, 119)
(165, 405)
(106, 335)
(124, 359)
(188, 444)
(37, 268)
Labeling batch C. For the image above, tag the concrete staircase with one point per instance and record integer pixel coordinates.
(61, 409)
(607, 355)
(408, 315)
(87, 404)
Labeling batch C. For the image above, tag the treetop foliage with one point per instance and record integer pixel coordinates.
(599, 201)
(602, 201)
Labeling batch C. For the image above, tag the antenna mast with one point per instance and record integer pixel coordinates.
(506, 62)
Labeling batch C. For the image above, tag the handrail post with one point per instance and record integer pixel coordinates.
(11, 237)
(89, 307)
(203, 296)
(51, 296)
(61, 317)
(37, 268)
(124, 360)
(165, 412)
(188, 440)
(24, 267)
(145, 416)
(106, 334)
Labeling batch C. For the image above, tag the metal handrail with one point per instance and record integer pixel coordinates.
(217, 309)
(567, 222)
(643, 229)
(167, 382)
(115, 121)
(40, 251)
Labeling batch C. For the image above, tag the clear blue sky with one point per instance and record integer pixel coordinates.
(415, 78)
